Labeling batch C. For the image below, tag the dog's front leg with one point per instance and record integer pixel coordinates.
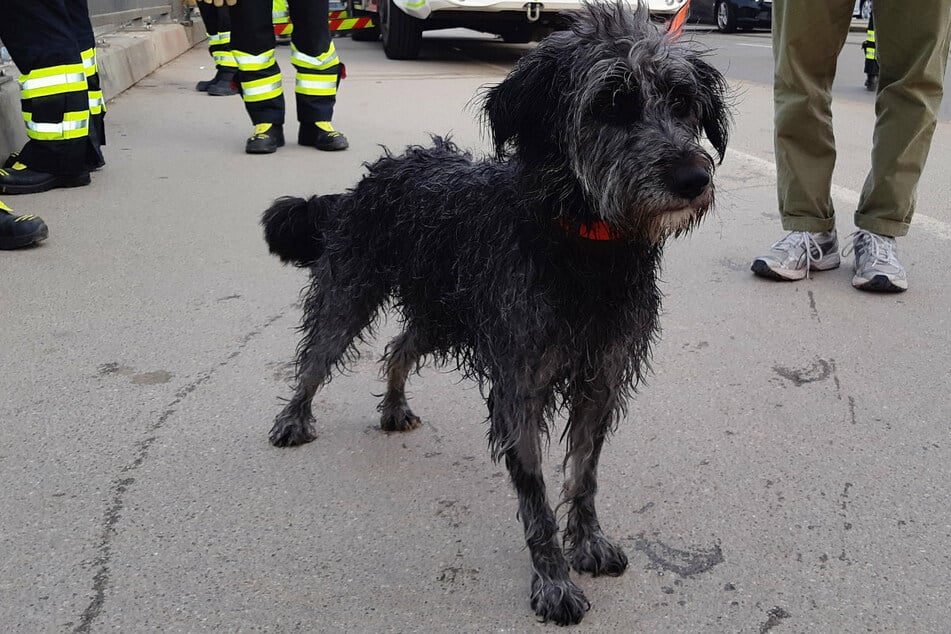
(515, 430)
(594, 404)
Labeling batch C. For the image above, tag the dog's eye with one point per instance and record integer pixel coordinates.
(681, 106)
(618, 107)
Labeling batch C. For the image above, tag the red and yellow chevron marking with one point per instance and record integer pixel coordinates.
(349, 24)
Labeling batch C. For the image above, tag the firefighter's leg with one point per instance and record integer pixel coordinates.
(82, 28)
(318, 73)
(54, 97)
(259, 76)
(218, 28)
(871, 57)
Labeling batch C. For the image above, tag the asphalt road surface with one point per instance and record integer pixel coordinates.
(785, 469)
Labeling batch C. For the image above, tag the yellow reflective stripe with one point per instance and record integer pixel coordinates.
(4, 207)
(323, 62)
(96, 102)
(89, 61)
(225, 58)
(218, 39)
(74, 125)
(249, 62)
(316, 84)
(53, 81)
(261, 89)
(22, 218)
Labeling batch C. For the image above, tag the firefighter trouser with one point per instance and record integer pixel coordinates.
(53, 46)
(218, 28)
(871, 59)
(912, 49)
(312, 54)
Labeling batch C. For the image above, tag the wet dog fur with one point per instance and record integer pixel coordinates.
(534, 270)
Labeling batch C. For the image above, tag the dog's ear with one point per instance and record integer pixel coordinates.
(712, 98)
(518, 110)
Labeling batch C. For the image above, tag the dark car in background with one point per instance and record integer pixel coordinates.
(730, 15)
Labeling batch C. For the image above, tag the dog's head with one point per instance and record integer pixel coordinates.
(611, 113)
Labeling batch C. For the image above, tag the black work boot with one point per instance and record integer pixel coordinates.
(17, 231)
(322, 136)
(266, 139)
(202, 86)
(20, 179)
(223, 84)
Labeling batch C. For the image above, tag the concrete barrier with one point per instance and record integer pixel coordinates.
(124, 57)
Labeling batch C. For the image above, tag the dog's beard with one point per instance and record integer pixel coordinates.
(674, 223)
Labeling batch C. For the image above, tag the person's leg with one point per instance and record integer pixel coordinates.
(912, 47)
(807, 38)
(259, 76)
(218, 28)
(318, 74)
(54, 97)
(78, 11)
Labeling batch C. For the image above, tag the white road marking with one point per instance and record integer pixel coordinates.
(850, 197)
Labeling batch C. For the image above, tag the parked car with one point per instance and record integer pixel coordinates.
(730, 15)
(863, 9)
(400, 23)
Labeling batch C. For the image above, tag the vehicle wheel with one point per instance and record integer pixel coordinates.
(365, 35)
(726, 17)
(402, 34)
(866, 10)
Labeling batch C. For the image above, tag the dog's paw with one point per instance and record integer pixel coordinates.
(399, 419)
(289, 432)
(561, 602)
(597, 556)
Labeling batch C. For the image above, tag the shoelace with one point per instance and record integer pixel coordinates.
(804, 240)
(882, 250)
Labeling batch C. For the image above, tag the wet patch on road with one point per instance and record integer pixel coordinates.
(685, 563)
(154, 377)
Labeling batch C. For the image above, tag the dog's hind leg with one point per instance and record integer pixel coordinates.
(594, 404)
(515, 431)
(334, 317)
(402, 357)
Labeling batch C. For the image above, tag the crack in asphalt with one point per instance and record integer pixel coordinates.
(124, 481)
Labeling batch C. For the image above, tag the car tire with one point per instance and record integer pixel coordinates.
(402, 34)
(726, 16)
(866, 9)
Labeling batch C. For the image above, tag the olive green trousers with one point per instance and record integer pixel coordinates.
(912, 39)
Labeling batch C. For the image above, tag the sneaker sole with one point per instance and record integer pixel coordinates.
(880, 284)
(763, 269)
(76, 181)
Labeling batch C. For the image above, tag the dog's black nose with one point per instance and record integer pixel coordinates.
(688, 181)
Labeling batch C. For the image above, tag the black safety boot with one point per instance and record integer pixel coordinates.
(266, 139)
(20, 179)
(223, 84)
(322, 136)
(17, 231)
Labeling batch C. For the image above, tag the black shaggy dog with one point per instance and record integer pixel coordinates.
(535, 271)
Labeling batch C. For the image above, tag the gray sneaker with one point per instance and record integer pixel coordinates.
(876, 263)
(796, 253)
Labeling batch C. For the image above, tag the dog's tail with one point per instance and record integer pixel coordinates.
(292, 227)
